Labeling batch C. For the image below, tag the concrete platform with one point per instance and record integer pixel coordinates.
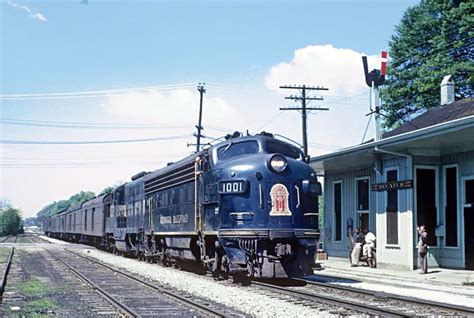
(440, 284)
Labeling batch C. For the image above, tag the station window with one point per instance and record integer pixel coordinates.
(451, 208)
(392, 209)
(363, 203)
(337, 187)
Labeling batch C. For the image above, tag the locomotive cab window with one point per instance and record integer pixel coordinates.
(275, 146)
(233, 150)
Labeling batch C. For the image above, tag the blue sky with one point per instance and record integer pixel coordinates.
(244, 48)
(108, 44)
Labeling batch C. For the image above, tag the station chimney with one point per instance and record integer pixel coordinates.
(447, 90)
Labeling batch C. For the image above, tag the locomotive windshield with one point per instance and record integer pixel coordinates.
(237, 149)
(275, 146)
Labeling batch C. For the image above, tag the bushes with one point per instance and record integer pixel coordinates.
(10, 221)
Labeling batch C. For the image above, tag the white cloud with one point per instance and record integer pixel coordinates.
(338, 69)
(179, 106)
(39, 16)
(36, 15)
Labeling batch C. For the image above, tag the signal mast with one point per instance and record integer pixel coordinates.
(374, 79)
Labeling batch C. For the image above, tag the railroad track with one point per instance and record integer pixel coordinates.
(339, 306)
(140, 298)
(407, 305)
(6, 270)
(36, 239)
(9, 237)
(5, 239)
(359, 301)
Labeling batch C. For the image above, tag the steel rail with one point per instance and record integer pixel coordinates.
(3, 283)
(333, 301)
(461, 310)
(188, 302)
(97, 288)
(6, 239)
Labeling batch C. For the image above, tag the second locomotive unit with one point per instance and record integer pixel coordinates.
(245, 206)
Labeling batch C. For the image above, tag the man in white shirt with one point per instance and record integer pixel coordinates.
(369, 243)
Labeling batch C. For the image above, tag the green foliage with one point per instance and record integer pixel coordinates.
(34, 287)
(63, 205)
(10, 221)
(433, 39)
(107, 190)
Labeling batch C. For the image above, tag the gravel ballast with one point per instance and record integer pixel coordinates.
(239, 297)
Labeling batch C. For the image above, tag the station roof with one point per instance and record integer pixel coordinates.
(439, 131)
(441, 114)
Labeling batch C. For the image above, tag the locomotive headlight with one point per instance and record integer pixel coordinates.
(278, 163)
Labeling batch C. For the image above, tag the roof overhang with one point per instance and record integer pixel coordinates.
(437, 140)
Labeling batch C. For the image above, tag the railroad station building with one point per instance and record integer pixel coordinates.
(419, 173)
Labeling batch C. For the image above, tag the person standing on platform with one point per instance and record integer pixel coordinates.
(357, 247)
(422, 249)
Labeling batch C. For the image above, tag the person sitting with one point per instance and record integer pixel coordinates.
(356, 250)
(369, 244)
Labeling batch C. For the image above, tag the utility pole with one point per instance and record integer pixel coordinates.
(303, 98)
(199, 127)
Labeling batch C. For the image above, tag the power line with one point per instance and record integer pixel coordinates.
(324, 145)
(91, 125)
(91, 160)
(269, 121)
(95, 93)
(75, 125)
(87, 142)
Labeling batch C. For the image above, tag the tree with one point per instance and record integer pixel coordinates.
(10, 221)
(433, 39)
(62, 205)
(81, 197)
(107, 190)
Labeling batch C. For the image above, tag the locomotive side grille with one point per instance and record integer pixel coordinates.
(172, 178)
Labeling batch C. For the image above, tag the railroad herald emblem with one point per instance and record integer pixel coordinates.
(279, 194)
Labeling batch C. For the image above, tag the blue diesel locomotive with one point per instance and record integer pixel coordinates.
(246, 206)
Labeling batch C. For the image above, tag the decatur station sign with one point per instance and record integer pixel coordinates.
(393, 185)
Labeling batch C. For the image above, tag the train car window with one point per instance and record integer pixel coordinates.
(107, 210)
(85, 220)
(238, 149)
(274, 146)
(92, 219)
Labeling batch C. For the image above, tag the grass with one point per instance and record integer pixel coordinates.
(36, 306)
(23, 239)
(4, 253)
(34, 287)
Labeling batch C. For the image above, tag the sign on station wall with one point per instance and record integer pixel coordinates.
(393, 185)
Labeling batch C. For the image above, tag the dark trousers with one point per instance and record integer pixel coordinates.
(423, 260)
